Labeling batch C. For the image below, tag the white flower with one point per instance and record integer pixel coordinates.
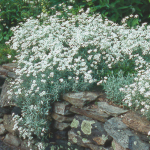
(61, 80)
(101, 81)
(89, 51)
(69, 7)
(142, 103)
(149, 133)
(69, 77)
(142, 110)
(43, 75)
(105, 78)
(130, 104)
(43, 93)
(51, 74)
(44, 81)
(8, 56)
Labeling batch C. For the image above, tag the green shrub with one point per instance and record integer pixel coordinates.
(69, 55)
(114, 10)
(112, 85)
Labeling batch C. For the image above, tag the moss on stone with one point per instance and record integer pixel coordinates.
(86, 126)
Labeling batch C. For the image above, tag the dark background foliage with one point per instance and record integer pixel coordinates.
(14, 11)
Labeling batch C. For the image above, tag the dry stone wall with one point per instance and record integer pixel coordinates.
(78, 122)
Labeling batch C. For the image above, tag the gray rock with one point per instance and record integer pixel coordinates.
(5, 110)
(136, 122)
(81, 98)
(2, 129)
(1, 115)
(16, 111)
(61, 125)
(123, 136)
(12, 75)
(116, 146)
(12, 140)
(61, 135)
(96, 147)
(3, 72)
(61, 118)
(24, 145)
(10, 66)
(5, 99)
(111, 110)
(1, 120)
(9, 124)
(84, 142)
(96, 114)
(2, 80)
(64, 145)
(90, 129)
(62, 108)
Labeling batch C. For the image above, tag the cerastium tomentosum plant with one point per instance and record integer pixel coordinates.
(63, 55)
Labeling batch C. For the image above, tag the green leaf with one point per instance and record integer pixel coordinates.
(124, 7)
(134, 22)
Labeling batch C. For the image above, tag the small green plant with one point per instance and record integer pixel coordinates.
(112, 85)
(7, 55)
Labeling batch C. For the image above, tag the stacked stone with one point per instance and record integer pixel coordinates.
(7, 107)
(101, 126)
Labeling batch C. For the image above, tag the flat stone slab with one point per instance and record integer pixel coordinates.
(111, 110)
(61, 118)
(137, 123)
(81, 98)
(9, 124)
(3, 71)
(96, 114)
(62, 108)
(12, 140)
(123, 136)
(2, 129)
(10, 66)
(12, 75)
(61, 125)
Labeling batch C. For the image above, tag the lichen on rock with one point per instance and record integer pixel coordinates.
(86, 126)
(74, 140)
(79, 133)
(74, 123)
(84, 140)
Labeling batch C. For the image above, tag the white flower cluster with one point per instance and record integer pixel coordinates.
(139, 92)
(42, 51)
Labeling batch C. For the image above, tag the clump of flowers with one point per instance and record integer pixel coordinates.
(138, 93)
(68, 55)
